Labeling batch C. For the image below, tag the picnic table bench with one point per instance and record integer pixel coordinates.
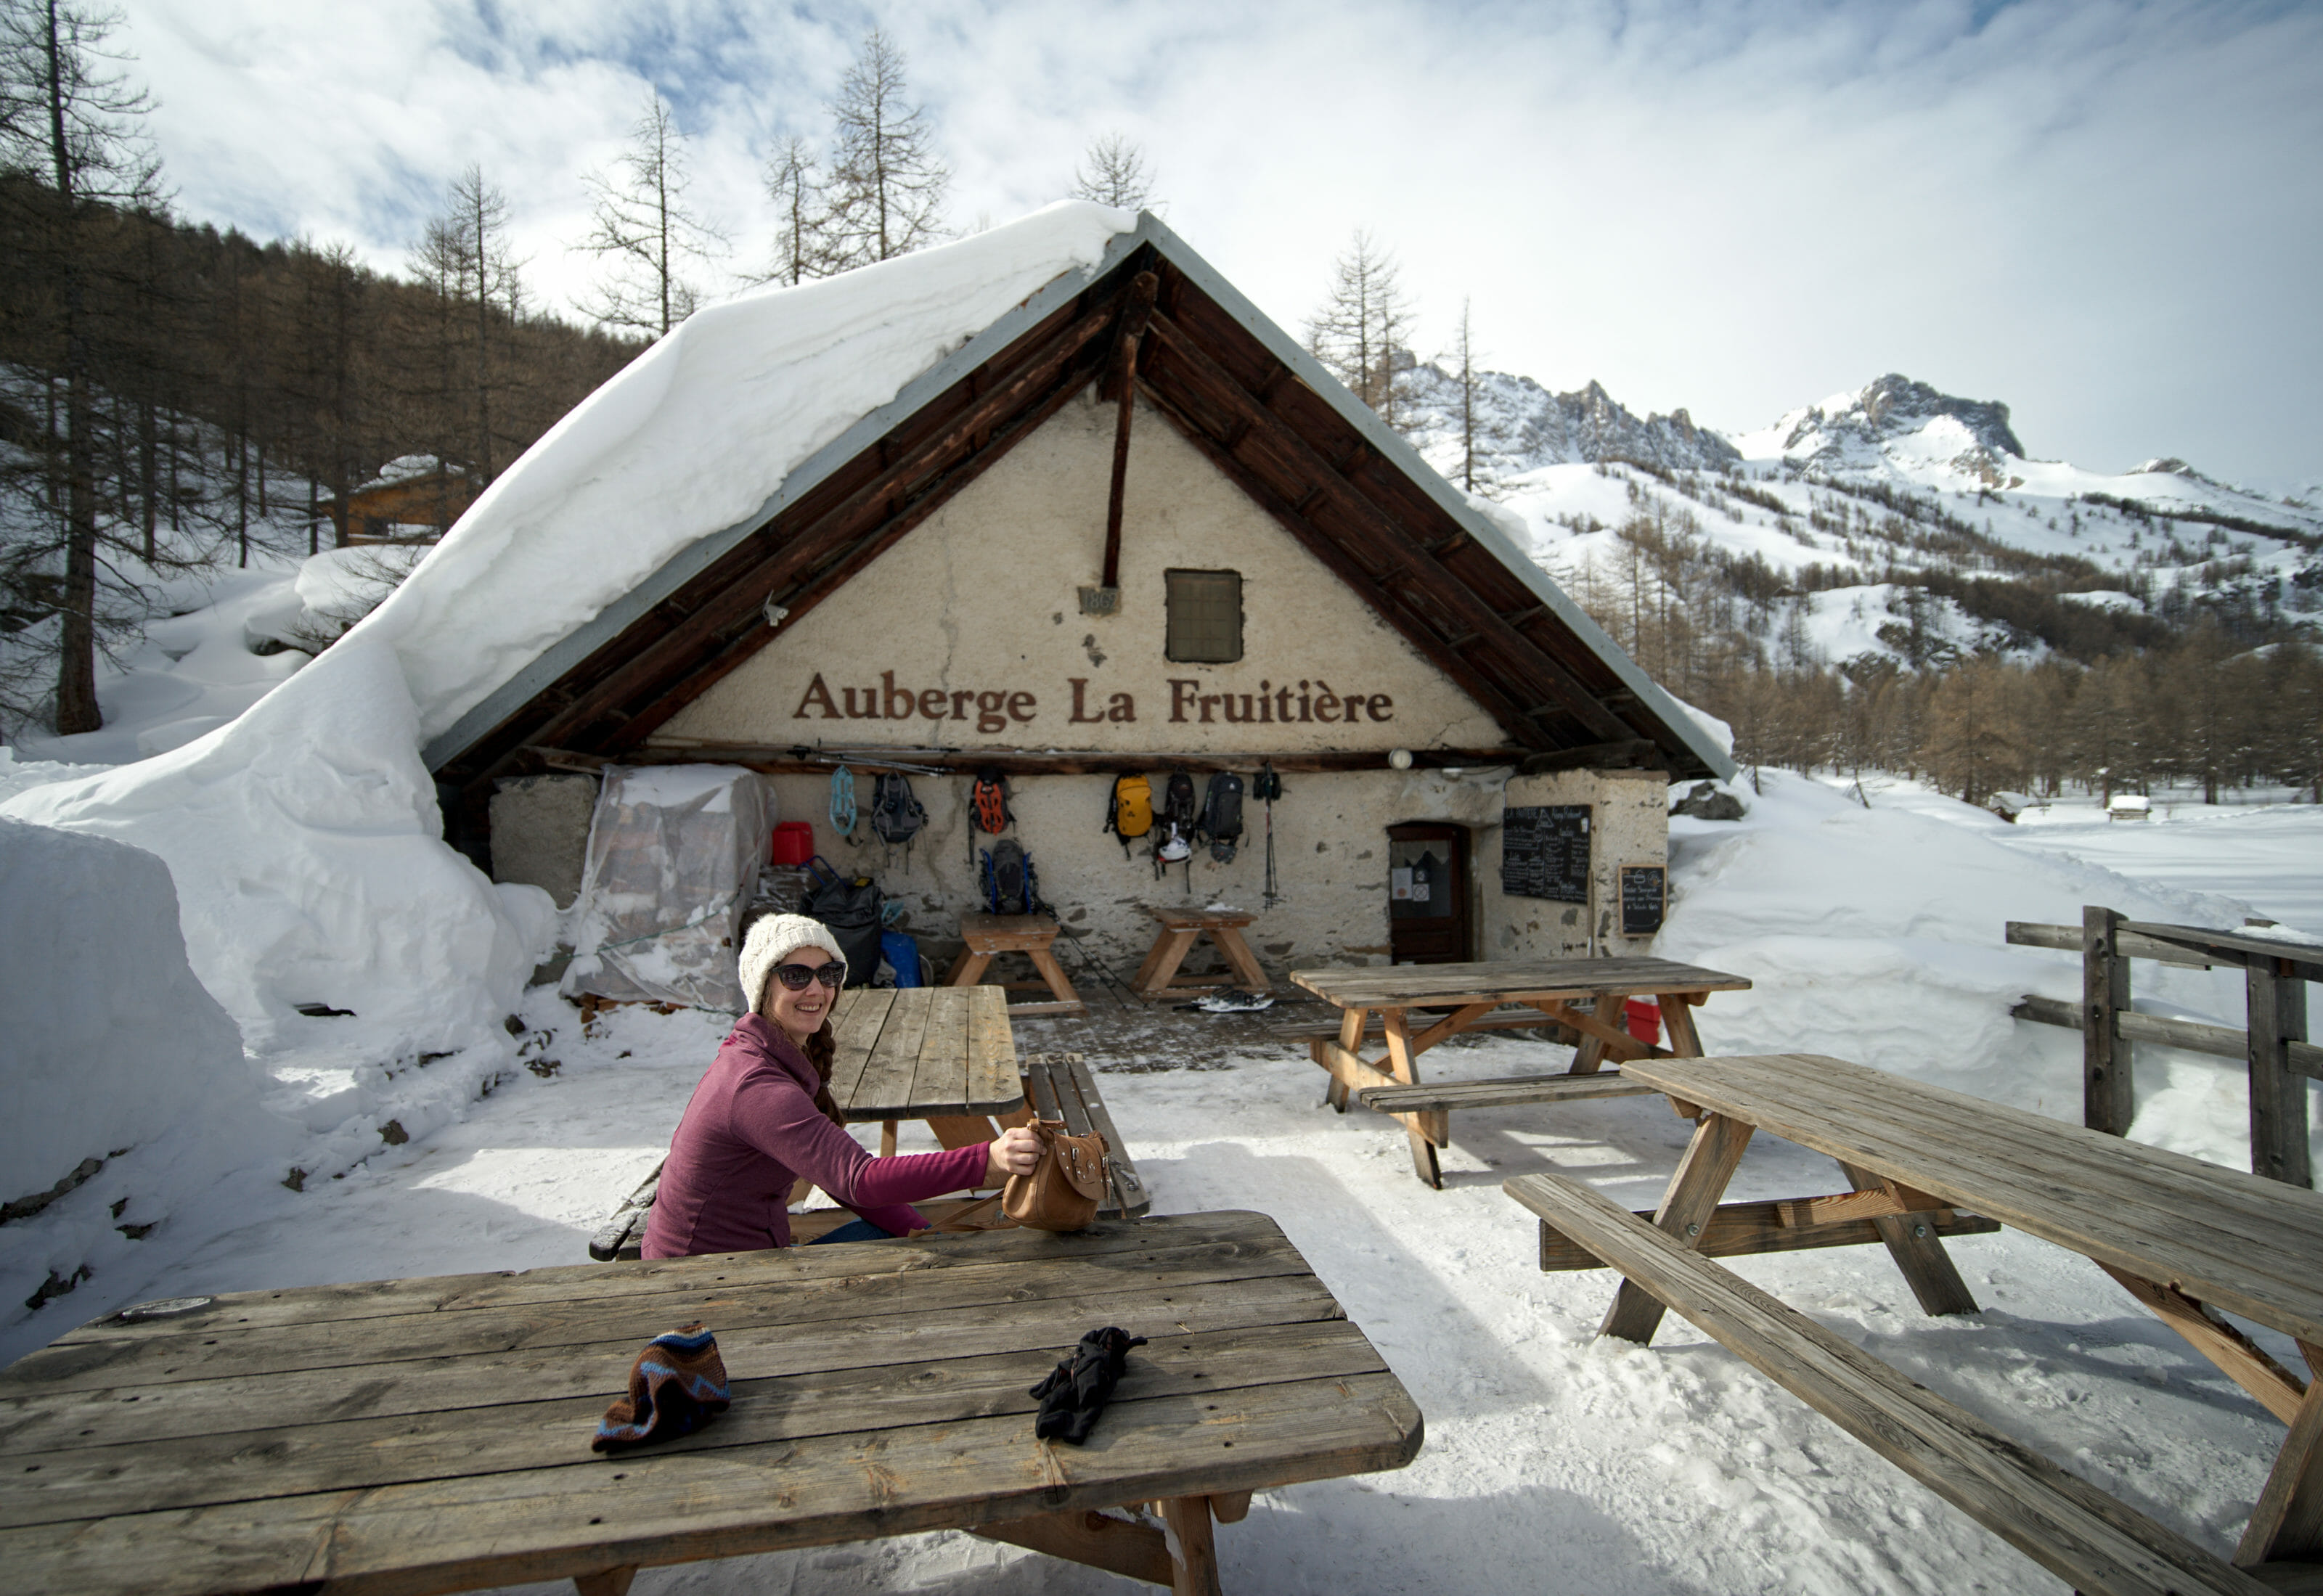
(1157, 978)
(2185, 1238)
(1483, 995)
(986, 937)
(433, 1434)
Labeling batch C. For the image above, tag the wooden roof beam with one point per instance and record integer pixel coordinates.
(1451, 593)
(1342, 565)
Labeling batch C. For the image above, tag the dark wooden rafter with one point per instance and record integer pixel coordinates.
(1135, 313)
(1395, 549)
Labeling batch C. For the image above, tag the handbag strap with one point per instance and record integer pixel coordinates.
(959, 1219)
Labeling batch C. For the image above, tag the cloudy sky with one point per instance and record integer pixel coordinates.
(2107, 214)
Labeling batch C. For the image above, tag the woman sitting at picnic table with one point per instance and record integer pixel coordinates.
(763, 1116)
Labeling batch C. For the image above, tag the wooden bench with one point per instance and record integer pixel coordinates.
(1059, 1086)
(2068, 1526)
(1302, 1032)
(1157, 978)
(986, 937)
(1444, 1095)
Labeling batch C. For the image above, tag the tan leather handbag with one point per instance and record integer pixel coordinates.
(1061, 1193)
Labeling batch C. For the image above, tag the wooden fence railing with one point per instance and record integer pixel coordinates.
(2272, 1044)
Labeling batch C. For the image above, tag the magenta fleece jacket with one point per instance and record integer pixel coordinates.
(751, 1130)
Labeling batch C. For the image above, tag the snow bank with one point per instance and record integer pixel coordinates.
(304, 843)
(110, 1039)
(1875, 935)
(695, 436)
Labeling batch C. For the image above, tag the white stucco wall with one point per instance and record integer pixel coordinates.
(969, 630)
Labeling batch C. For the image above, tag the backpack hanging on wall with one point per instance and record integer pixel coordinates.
(1011, 885)
(987, 807)
(897, 814)
(1129, 808)
(1222, 815)
(1173, 826)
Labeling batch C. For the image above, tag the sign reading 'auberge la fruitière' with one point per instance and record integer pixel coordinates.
(994, 709)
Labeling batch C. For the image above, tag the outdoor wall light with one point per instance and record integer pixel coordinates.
(1398, 759)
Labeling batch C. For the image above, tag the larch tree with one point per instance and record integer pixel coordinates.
(651, 236)
(802, 242)
(888, 185)
(1113, 171)
(464, 256)
(72, 140)
(1362, 332)
(1484, 435)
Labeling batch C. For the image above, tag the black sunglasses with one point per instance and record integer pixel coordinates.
(797, 976)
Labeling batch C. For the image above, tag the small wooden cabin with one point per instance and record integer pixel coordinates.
(1132, 527)
(413, 499)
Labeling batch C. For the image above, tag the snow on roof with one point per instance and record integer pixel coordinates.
(303, 838)
(694, 436)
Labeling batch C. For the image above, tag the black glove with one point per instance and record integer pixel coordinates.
(1075, 1391)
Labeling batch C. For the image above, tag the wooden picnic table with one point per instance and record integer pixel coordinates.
(942, 1054)
(1391, 1083)
(984, 937)
(1157, 978)
(433, 1434)
(2187, 1239)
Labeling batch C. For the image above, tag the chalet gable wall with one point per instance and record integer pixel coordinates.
(968, 632)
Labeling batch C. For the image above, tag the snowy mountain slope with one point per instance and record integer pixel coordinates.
(1879, 511)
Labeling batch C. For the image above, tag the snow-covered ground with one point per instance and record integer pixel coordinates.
(1873, 934)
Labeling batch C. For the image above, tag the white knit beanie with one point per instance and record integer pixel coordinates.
(773, 939)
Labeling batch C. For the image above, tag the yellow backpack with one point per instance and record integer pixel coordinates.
(1129, 811)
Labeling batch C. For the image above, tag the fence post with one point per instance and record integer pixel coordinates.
(2107, 1100)
(2278, 1094)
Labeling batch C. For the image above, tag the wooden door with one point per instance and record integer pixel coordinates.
(1428, 893)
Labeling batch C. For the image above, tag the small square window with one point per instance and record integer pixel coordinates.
(1205, 616)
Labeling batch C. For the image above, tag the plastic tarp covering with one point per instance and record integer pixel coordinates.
(673, 862)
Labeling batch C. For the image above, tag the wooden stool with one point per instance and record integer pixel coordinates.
(987, 935)
(1157, 977)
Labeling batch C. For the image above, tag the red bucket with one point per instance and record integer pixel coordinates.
(1645, 1018)
(793, 843)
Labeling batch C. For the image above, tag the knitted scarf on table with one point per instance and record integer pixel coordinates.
(677, 1385)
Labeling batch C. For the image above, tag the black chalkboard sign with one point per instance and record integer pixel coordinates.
(1545, 852)
(1645, 889)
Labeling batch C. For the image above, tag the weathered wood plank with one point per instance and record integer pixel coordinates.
(855, 1021)
(1915, 1247)
(2244, 1245)
(2243, 1360)
(1134, 1551)
(2064, 1524)
(886, 1084)
(2067, 939)
(995, 1085)
(2108, 1101)
(2286, 1524)
(1506, 1092)
(317, 1306)
(1742, 1229)
(682, 1506)
(939, 1074)
(2276, 1008)
(266, 1459)
(1703, 1172)
(101, 1417)
(1509, 981)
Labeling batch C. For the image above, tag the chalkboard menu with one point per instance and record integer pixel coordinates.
(1545, 852)
(1644, 891)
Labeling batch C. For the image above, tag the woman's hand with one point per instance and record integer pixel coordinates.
(1016, 1151)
